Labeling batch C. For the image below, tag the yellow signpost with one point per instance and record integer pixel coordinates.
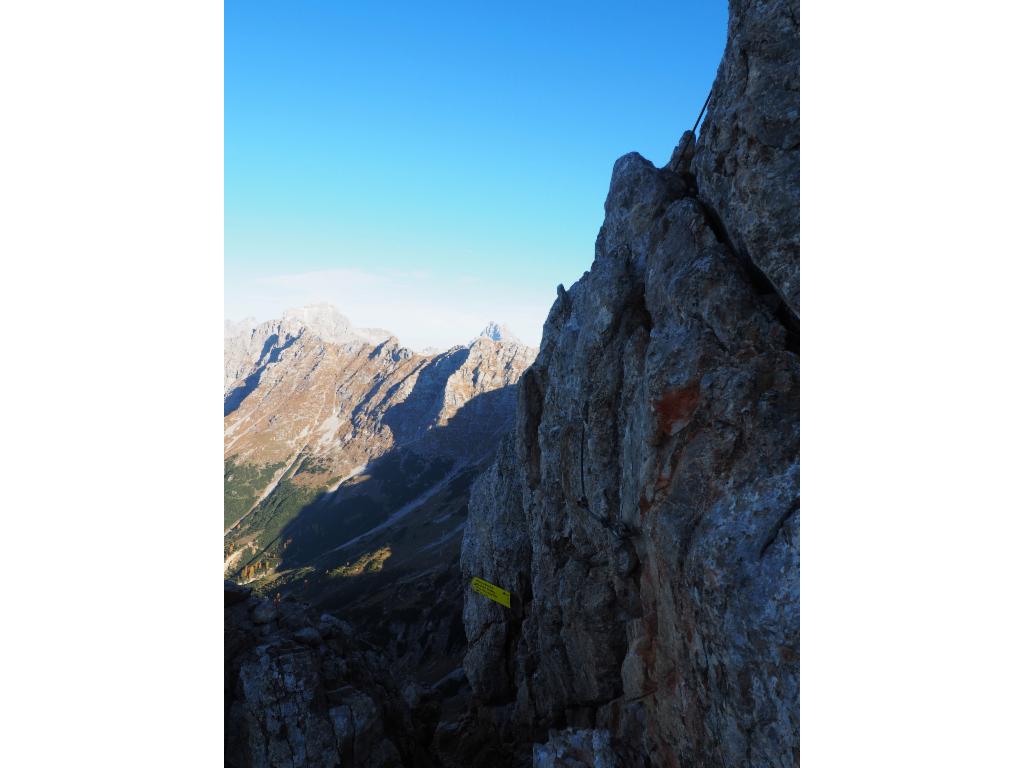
(495, 593)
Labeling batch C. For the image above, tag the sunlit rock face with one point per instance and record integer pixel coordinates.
(310, 384)
(645, 509)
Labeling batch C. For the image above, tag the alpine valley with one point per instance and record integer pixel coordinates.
(348, 460)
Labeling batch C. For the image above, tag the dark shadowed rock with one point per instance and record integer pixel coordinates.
(264, 612)
(295, 700)
(308, 636)
(235, 593)
(332, 626)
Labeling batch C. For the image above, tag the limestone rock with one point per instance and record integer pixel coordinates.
(499, 332)
(645, 509)
(748, 158)
(576, 748)
(312, 703)
(682, 155)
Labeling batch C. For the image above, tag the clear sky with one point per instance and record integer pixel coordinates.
(427, 167)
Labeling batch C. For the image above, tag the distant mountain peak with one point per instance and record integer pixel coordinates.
(319, 317)
(499, 332)
(236, 327)
(325, 321)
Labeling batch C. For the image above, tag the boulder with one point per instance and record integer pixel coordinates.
(264, 612)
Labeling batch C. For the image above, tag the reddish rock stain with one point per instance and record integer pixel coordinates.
(676, 406)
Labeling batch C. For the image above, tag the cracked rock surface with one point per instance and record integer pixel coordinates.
(645, 509)
(306, 693)
(748, 158)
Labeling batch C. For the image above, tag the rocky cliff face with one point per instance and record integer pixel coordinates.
(748, 157)
(645, 510)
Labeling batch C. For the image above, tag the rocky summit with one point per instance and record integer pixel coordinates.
(635, 488)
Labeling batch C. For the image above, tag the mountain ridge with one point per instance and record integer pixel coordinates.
(326, 321)
(347, 466)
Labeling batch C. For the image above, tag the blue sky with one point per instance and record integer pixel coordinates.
(430, 166)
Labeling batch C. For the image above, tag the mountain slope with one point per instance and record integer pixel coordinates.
(348, 462)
